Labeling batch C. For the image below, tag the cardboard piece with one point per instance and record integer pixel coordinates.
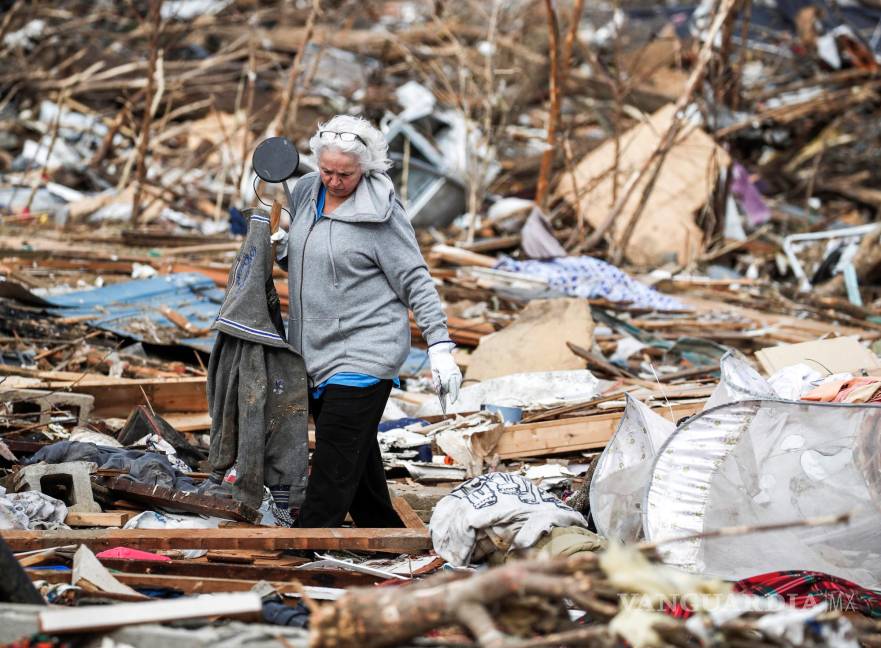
(86, 567)
(666, 230)
(832, 355)
(536, 341)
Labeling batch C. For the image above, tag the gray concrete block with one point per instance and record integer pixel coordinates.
(67, 481)
(48, 403)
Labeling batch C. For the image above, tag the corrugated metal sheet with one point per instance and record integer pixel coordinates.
(134, 308)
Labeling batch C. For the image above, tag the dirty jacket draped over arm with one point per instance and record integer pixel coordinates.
(256, 381)
(353, 274)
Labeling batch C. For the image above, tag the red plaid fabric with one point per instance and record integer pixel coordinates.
(807, 588)
(802, 589)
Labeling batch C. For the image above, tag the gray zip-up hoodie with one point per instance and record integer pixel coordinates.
(352, 276)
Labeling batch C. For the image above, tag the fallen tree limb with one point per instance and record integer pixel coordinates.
(486, 605)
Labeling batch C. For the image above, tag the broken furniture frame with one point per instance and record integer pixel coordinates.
(795, 264)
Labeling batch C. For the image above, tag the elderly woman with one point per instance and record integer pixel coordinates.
(354, 270)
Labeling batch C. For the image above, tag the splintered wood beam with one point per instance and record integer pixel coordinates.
(254, 538)
(170, 498)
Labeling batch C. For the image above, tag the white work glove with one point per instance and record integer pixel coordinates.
(280, 242)
(445, 372)
(279, 236)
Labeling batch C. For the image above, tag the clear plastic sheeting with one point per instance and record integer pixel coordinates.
(761, 462)
(738, 381)
(623, 471)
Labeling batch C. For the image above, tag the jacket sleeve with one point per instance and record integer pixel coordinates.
(397, 253)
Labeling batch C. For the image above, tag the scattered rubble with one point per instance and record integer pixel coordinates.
(654, 229)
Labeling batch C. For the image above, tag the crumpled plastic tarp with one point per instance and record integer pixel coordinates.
(623, 471)
(750, 458)
(759, 462)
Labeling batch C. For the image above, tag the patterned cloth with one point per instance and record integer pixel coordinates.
(808, 588)
(496, 512)
(590, 278)
(801, 589)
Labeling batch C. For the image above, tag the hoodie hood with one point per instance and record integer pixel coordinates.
(372, 201)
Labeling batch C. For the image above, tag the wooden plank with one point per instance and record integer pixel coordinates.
(183, 584)
(172, 499)
(61, 621)
(408, 516)
(235, 557)
(189, 421)
(200, 569)
(380, 540)
(105, 519)
(118, 397)
(458, 256)
(807, 328)
(572, 434)
(38, 558)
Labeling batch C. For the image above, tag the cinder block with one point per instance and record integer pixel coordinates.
(24, 400)
(67, 481)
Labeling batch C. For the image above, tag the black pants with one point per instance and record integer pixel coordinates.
(347, 474)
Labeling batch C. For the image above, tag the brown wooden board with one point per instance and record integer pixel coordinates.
(408, 516)
(105, 519)
(379, 540)
(167, 498)
(572, 434)
(117, 397)
(316, 577)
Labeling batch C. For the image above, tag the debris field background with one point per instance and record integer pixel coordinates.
(634, 212)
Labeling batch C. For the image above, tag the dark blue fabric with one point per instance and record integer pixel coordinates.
(238, 226)
(423, 450)
(399, 423)
(280, 614)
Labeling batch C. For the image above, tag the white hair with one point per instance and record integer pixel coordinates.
(372, 153)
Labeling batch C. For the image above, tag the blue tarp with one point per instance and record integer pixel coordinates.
(134, 308)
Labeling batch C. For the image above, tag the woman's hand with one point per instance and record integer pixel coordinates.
(444, 372)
